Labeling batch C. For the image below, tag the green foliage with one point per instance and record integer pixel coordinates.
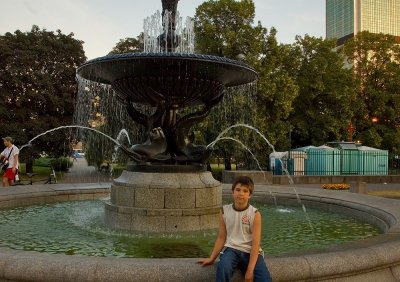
(129, 45)
(61, 164)
(98, 149)
(277, 89)
(224, 28)
(217, 169)
(58, 164)
(41, 173)
(375, 62)
(38, 87)
(117, 170)
(43, 162)
(323, 107)
(307, 93)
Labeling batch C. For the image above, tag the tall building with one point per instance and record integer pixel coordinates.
(345, 18)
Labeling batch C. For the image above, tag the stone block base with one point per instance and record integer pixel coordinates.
(164, 202)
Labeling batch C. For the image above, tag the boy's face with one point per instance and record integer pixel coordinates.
(241, 195)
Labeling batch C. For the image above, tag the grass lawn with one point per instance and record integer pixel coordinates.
(221, 167)
(42, 173)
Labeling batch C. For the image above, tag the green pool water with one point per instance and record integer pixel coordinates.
(77, 228)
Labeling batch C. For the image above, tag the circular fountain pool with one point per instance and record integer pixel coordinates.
(376, 258)
(78, 227)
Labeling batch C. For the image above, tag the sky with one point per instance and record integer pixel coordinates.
(102, 23)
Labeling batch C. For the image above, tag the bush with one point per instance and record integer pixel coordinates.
(216, 171)
(45, 162)
(61, 163)
(117, 171)
(340, 186)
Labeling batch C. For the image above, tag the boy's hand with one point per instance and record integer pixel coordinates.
(206, 261)
(249, 276)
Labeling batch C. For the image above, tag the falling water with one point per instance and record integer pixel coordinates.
(240, 125)
(114, 155)
(123, 132)
(98, 107)
(273, 197)
(221, 137)
(153, 27)
(68, 126)
(244, 146)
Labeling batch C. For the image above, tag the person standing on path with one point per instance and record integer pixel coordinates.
(9, 158)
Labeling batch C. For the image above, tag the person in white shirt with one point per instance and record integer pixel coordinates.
(10, 161)
(239, 237)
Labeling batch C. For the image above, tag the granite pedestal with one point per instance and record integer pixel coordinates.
(164, 201)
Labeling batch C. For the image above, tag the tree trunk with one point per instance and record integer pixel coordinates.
(228, 165)
(29, 165)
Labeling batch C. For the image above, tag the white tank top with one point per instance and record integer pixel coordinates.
(239, 228)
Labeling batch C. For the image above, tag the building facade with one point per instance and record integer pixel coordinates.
(345, 18)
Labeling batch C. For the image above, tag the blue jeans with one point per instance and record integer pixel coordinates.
(231, 258)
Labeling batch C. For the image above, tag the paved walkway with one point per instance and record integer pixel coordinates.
(81, 172)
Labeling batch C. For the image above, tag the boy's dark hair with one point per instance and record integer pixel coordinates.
(245, 181)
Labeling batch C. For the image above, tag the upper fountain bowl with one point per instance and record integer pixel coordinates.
(178, 79)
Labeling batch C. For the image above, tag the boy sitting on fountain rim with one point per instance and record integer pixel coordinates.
(239, 237)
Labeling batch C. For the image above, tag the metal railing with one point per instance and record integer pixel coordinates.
(338, 162)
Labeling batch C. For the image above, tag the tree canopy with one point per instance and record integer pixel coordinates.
(322, 110)
(225, 28)
(129, 45)
(375, 62)
(37, 85)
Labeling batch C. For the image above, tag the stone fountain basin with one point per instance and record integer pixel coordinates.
(176, 78)
(373, 259)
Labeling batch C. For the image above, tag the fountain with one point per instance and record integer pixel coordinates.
(166, 187)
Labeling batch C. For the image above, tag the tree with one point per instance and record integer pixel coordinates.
(375, 63)
(129, 45)
(224, 28)
(322, 110)
(38, 86)
(277, 89)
